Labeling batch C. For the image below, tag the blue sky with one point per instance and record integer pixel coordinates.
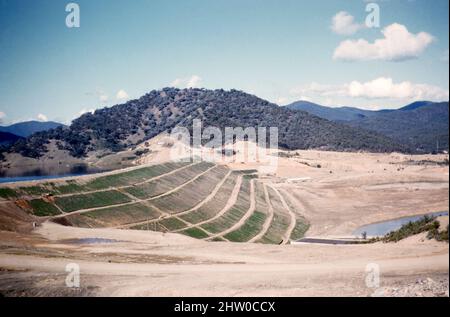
(280, 50)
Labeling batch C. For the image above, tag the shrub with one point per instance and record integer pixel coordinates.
(426, 224)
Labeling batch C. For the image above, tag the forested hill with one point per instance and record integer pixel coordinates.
(422, 125)
(126, 125)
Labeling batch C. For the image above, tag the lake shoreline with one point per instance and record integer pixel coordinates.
(382, 228)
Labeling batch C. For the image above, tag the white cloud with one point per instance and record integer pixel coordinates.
(317, 89)
(386, 88)
(100, 94)
(42, 117)
(282, 101)
(328, 102)
(286, 100)
(344, 24)
(194, 81)
(397, 44)
(122, 95)
(190, 82)
(84, 110)
(379, 88)
(177, 83)
(103, 98)
(2, 116)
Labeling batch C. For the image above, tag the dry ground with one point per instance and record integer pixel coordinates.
(346, 191)
(145, 263)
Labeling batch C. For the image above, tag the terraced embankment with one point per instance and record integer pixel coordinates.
(199, 199)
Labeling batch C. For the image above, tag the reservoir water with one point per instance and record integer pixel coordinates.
(49, 173)
(34, 178)
(92, 241)
(383, 228)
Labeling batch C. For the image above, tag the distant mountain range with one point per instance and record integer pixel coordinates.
(123, 126)
(422, 125)
(27, 128)
(19, 131)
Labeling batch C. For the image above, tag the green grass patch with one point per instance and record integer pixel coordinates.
(279, 225)
(132, 177)
(252, 171)
(195, 233)
(71, 187)
(7, 193)
(301, 224)
(92, 200)
(300, 229)
(102, 182)
(168, 182)
(280, 221)
(232, 216)
(35, 190)
(218, 239)
(121, 215)
(251, 228)
(172, 224)
(193, 193)
(42, 208)
(215, 205)
(165, 225)
(143, 191)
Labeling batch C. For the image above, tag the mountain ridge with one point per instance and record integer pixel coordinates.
(422, 125)
(27, 128)
(125, 125)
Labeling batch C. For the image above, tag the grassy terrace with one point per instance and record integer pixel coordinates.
(69, 187)
(255, 222)
(168, 182)
(261, 203)
(134, 176)
(115, 216)
(42, 208)
(280, 221)
(8, 193)
(100, 183)
(73, 195)
(172, 224)
(215, 205)
(195, 233)
(251, 228)
(301, 224)
(92, 200)
(193, 193)
(129, 200)
(233, 215)
(300, 229)
(165, 225)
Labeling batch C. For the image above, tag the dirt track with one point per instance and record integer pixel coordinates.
(153, 264)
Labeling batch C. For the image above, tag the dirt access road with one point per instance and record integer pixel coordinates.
(143, 263)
